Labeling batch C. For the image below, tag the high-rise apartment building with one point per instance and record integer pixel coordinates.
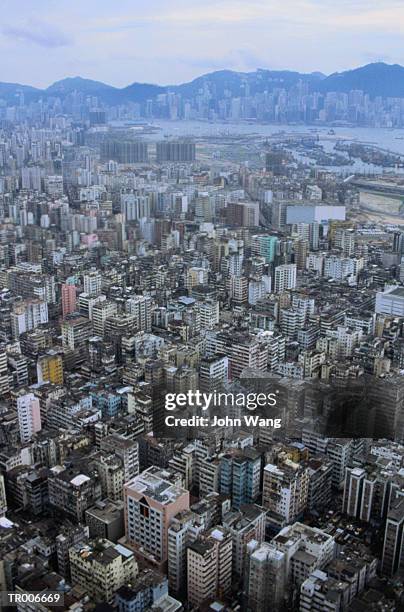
(101, 312)
(175, 151)
(124, 151)
(92, 283)
(185, 527)
(101, 567)
(305, 548)
(213, 372)
(285, 277)
(393, 545)
(285, 489)
(209, 566)
(245, 525)
(240, 474)
(266, 577)
(27, 315)
(151, 502)
(29, 416)
(264, 246)
(68, 299)
(50, 368)
(141, 307)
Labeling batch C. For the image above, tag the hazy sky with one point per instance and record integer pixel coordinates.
(171, 41)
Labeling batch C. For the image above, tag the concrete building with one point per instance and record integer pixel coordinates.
(141, 307)
(209, 566)
(184, 529)
(213, 372)
(101, 567)
(245, 525)
(305, 548)
(151, 502)
(393, 545)
(29, 416)
(101, 312)
(319, 592)
(390, 301)
(267, 577)
(92, 283)
(285, 278)
(73, 492)
(27, 315)
(286, 489)
(175, 151)
(240, 476)
(149, 591)
(69, 303)
(50, 368)
(105, 520)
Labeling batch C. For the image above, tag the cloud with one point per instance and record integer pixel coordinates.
(38, 33)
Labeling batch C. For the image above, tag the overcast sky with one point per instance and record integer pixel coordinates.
(171, 41)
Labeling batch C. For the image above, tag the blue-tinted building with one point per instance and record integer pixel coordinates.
(240, 473)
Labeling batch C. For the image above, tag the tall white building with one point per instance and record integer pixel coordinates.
(29, 416)
(135, 206)
(213, 372)
(339, 268)
(100, 314)
(92, 283)
(390, 301)
(306, 549)
(285, 277)
(141, 307)
(208, 313)
(28, 315)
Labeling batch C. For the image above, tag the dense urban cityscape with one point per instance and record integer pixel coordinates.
(138, 265)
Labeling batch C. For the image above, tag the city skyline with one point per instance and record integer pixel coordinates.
(124, 44)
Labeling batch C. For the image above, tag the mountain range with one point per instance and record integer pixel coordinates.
(376, 79)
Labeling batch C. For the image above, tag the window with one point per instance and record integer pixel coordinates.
(144, 511)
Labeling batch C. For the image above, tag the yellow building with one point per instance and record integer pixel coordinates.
(50, 368)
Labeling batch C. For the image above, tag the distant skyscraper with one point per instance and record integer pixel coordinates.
(180, 151)
(124, 151)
